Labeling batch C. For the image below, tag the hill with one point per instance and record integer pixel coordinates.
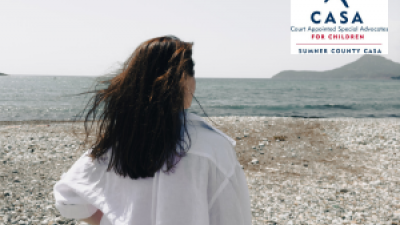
(366, 67)
(3, 74)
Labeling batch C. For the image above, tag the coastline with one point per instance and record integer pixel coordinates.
(33, 122)
(341, 170)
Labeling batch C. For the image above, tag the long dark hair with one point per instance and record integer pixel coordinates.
(142, 109)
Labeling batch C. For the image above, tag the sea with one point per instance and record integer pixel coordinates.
(55, 98)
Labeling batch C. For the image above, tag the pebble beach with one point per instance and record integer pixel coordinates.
(299, 171)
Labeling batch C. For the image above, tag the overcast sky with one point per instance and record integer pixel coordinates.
(237, 39)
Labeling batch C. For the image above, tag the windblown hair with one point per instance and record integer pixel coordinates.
(142, 109)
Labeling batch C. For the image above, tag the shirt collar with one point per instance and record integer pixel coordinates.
(194, 117)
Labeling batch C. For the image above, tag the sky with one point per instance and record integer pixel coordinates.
(232, 39)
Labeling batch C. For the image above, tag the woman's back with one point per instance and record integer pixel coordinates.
(152, 163)
(208, 186)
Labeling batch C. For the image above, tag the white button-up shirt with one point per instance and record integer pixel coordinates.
(207, 187)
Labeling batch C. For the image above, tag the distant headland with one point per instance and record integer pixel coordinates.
(365, 68)
(3, 74)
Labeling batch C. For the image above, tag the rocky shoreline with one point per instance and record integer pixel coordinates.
(299, 171)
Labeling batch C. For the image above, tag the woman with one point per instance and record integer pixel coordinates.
(144, 129)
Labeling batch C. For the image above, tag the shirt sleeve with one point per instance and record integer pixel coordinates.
(180, 198)
(71, 205)
(67, 201)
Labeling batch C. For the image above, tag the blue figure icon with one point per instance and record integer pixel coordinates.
(344, 3)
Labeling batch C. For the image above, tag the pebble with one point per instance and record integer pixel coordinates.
(327, 171)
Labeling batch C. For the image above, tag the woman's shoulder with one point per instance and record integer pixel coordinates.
(87, 165)
(198, 122)
(209, 142)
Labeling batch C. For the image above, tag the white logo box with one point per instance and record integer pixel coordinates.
(368, 37)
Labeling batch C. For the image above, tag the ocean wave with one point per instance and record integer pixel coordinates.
(28, 98)
(300, 107)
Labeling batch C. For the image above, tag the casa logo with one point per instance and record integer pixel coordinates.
(331, 19)
(339, 27)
